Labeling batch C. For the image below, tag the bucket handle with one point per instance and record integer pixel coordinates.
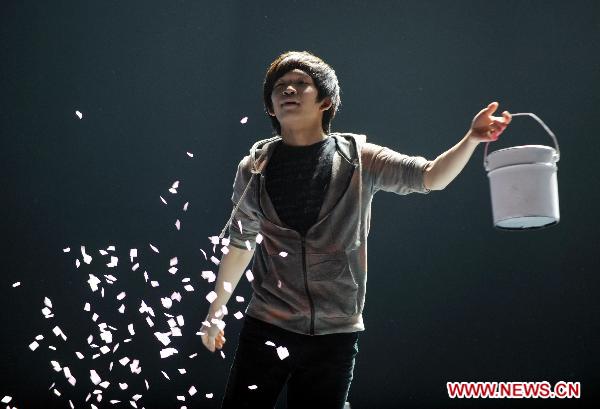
(556, 156)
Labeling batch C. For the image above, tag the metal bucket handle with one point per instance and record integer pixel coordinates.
(556, 156)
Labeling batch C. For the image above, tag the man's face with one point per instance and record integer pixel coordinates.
(294, 99)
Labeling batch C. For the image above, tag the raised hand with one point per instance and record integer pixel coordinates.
(487, 128)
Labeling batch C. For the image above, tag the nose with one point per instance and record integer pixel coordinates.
(289, 90)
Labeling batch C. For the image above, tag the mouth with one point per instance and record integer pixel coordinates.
(290, 103)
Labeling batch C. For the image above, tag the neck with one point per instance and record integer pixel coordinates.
(302, 136)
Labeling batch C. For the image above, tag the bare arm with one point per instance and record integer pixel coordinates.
(231, 269)
(484, 128)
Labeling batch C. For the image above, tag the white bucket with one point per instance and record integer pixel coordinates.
(523, 184)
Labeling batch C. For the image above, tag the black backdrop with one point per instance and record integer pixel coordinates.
(449, 297)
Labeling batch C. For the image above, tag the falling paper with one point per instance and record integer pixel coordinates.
(209, 275)
(211, 296)
(282, 352)
(79, 114)
(227, 286)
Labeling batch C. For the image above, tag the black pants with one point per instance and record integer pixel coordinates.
(318, 370)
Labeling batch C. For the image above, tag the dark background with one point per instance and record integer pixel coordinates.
(449, 297)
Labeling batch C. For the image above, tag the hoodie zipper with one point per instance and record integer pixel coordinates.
(310, 300)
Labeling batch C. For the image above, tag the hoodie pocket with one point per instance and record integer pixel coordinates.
(332, 285)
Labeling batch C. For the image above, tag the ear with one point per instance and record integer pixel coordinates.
(326, 104)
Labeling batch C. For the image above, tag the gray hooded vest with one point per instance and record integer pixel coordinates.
(315, 284)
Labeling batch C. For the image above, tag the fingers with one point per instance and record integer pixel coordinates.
(220, 340)
(209, 342)
(491, 108)
(214, 343)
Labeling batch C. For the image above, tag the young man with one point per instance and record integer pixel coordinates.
(308, 192)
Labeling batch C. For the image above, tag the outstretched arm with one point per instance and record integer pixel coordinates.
(448, 165)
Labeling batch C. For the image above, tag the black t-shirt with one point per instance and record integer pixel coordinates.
(297, 178)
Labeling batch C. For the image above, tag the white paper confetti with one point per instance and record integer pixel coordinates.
(283, 254)
(178, 224)
(209, 275)
(185, 206)
(191, 155)
(163, 337)
(249, 275)
(239, 298)
(227, 286)
(87, 259)
(252, 387)
(166, 302)
(18, 283)
(238, 315)
(259, 238)
(79, 114)
(167, 352)
(244, 120)
(93, 282)
(94, 377)
(282, 352)
(209, 395)
(114, 261)
(163, 200)
(211, 296)
(153, 248)
(192, 391)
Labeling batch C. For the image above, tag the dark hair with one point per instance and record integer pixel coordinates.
(322, 74)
